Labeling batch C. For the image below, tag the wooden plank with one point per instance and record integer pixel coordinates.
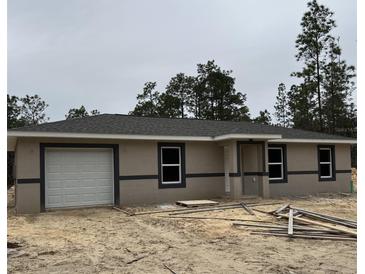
(284, 228)
(216, 218)
(168, 268)
(204, 210)
(324, 215)
(124, 211)
(249, 210)
(290, 223)
(302, 220)
(304, 236)
(196, 203)
(327, 218)
(280, 209)
(192, 210)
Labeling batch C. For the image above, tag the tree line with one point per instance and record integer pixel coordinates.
(31, 110)
(208, 95)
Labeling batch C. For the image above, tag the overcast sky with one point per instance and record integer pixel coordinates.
(100, 53)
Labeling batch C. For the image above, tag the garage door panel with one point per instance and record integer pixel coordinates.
(59, 184)
(78, 177)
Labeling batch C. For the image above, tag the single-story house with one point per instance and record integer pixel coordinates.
(114, 159)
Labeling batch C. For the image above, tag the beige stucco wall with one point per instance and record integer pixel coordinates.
(147, 191)
(304, 157)
(140, 158)
(135, 158)
(27, 159)
(27, 198)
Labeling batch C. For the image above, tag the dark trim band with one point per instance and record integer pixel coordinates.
(114, 147)
(29, 181)
(235, 174)
(344, 171)
(302, 172)
(255, 173)
(202, 175)
(138, 177)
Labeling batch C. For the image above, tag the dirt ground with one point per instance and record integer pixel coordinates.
(103, 240)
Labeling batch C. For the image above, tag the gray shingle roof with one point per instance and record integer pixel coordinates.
(126, 124)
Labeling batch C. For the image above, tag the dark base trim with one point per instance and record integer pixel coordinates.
(29, 181)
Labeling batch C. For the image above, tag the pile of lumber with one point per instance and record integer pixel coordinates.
(305, 224)
(181, 211)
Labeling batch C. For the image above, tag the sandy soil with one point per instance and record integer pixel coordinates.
(102, 240)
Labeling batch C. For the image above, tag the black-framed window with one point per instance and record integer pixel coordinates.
(326, 163)
(171, 164)
(277, 164)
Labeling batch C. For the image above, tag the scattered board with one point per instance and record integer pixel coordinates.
(196, 203)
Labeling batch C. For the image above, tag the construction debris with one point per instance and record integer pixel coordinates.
(249, 210)
(335, 228)
(13, 245)
(196, 203)
(215, 218)
(124, 211)
(201, 209)
(169, 269)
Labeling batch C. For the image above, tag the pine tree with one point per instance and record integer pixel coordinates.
(282, 112)
(80, 113)
(338, 87)
(312, 43)
(148, 101)
(264, 118)
(33, 110)
(219, 100)
(301, 104)
(181, 87)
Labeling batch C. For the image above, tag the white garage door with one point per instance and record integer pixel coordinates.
(78, 177)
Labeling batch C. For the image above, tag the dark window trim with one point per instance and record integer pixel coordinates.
(285, 164)
(183, 171)
(43, 146)
(333, 161)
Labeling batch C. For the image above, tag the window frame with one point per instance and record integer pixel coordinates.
(283, 163)
(170, 165)
(182, 174)
(332, 163)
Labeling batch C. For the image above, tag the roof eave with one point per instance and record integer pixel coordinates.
(316, 141)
